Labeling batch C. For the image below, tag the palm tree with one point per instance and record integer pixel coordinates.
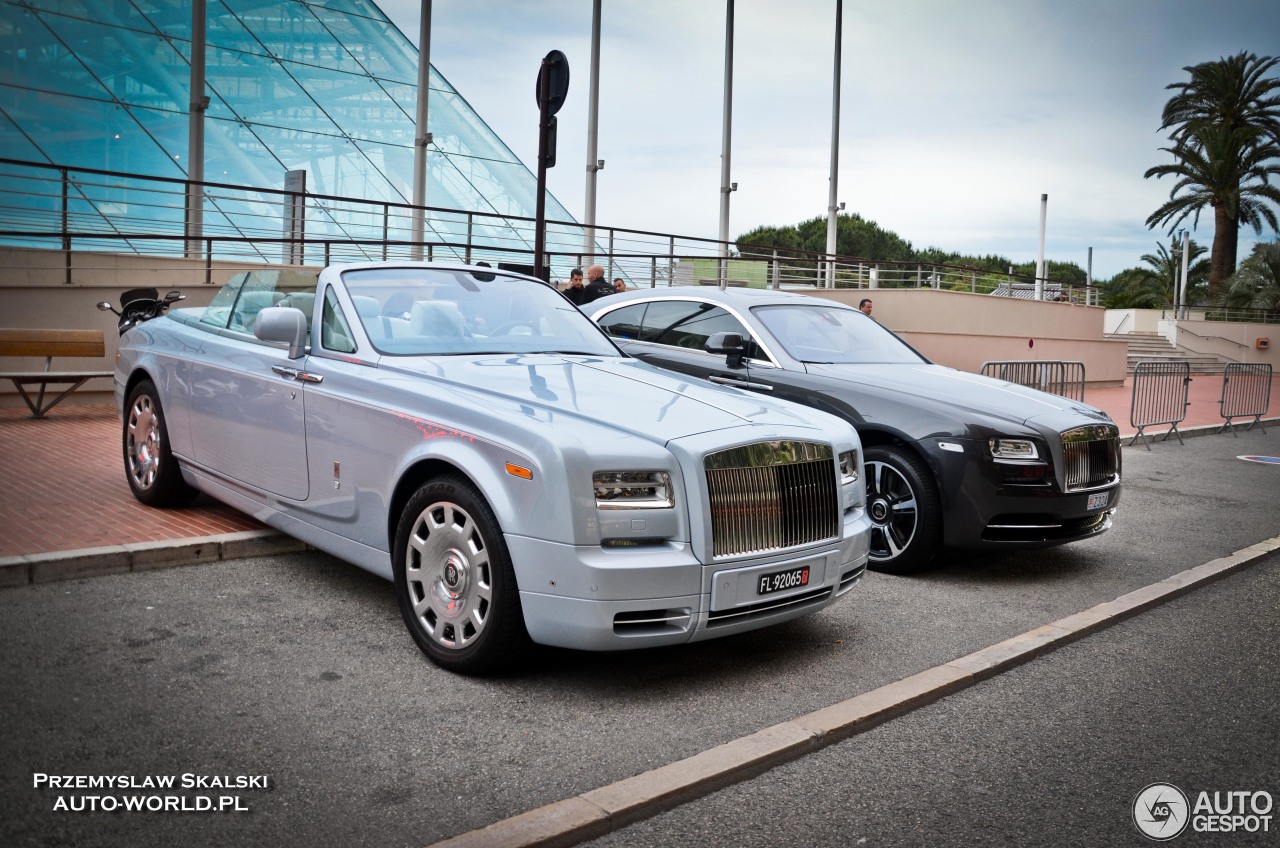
(1229, 170)
(1165, 267)
(1225, 123)
(1232, 92)
(1257, 284)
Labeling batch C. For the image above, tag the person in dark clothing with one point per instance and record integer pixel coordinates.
(575, 291)
(597, 286)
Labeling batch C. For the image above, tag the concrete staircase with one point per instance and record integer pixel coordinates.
(1146, 347)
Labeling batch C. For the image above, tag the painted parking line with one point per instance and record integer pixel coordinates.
(599, 811)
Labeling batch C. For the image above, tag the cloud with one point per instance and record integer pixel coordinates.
(955, 117)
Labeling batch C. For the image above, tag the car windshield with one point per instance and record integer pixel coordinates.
(829, 334)
(437, 311)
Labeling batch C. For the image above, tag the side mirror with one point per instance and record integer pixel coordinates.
(730, 344)
(283, 324)
(106, 307)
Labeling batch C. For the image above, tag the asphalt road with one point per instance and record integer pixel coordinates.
(1050, 753)
(299, 667)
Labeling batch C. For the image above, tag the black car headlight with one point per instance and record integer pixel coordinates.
(1013, 450)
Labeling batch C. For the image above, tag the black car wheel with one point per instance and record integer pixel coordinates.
(454, 581)
(903, 503)
(149, 464)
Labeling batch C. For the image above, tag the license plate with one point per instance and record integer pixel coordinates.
(1098, 501)
(792, 578)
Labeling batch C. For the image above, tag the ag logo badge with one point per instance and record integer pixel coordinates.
(1161, 811)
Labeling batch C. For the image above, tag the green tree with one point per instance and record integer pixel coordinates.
(1257, 284)
(1225, 126)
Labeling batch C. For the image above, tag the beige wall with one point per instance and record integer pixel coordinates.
(1234, 341)
(964, 330)
(34, 295)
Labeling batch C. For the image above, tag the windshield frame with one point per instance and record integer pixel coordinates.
(412, 311)
(850, 323)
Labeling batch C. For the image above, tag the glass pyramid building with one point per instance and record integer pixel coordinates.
(325, 86)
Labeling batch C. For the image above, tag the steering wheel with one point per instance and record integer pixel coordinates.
(505, 329)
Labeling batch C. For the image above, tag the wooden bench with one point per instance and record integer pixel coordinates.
(50, 343)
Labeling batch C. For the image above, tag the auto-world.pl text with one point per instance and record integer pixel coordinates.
(153, 801)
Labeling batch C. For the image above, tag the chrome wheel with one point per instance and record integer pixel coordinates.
(905, 511)
(891, 503)
(142, 443)
(150, 467)
(455, 583)
(449, 575)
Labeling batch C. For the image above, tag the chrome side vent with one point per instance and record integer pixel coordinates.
(1091, 457)
(771, 496)
(651, 622)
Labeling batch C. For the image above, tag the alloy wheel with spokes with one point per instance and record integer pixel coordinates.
(903, 505)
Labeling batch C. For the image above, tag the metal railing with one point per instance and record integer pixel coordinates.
(1161, 395)
(1055, 376)
(1246, 392)
(80, 209)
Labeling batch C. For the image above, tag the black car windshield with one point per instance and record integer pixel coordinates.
(436, 311)
(819, 333)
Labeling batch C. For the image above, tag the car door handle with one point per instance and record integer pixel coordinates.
(741, 384)
(295, 374)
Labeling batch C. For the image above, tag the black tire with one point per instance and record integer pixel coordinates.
(906, 513)
(454, 580)
(149, 464)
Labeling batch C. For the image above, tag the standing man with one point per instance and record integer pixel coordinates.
(864, 306)
(619, 285)
(576, 292)
(597, 286)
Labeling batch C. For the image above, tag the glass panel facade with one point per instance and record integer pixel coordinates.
(325, 86)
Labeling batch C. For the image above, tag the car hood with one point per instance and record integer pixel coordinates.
(617, 392)
(961, 389)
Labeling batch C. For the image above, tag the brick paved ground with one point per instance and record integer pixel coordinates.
(64, 487)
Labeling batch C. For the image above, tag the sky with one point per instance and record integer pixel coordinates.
(955, 117)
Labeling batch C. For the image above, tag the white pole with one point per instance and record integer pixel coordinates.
(195, 132)
(725, 185)
(1186, 261)
(832, 210)
(422, 138)
(593, 120)
(1088, 279)
(1040, 271)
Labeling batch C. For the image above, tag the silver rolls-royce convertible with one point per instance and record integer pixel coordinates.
(469, 434)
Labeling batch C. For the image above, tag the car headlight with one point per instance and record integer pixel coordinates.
(633, 490)
(848, 467)
(1013, 450)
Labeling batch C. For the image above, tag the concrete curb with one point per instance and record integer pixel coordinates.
(599, 811)
(143, 556)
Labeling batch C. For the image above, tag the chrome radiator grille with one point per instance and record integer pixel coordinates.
(772, 495)
(1091, 456)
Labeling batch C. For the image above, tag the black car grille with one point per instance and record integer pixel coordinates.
(772, 495)
(1091, 457)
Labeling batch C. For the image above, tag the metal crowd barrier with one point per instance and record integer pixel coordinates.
(1055, 376)
(1160, 396)
(1246, 391)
